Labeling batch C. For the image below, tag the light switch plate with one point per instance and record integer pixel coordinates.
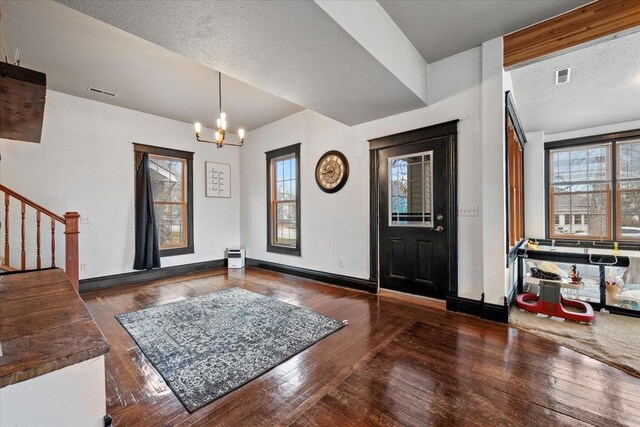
(469, 211)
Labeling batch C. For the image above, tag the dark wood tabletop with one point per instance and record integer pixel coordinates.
(44, 326)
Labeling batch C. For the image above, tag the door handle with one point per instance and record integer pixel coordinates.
(439, 229)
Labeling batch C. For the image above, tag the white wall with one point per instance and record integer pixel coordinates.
(73, 396)
(535, 191)
(85, 163)
(336, 226)
(494, 241)
(370, 25)
(534, 185)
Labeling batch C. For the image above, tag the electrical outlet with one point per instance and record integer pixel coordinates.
(469, 211)
(340, 262)
(84, 267)
(85, 220)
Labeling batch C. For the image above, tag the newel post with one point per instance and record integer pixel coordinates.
(71, 248)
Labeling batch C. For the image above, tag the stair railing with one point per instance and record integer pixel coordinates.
(69, 221)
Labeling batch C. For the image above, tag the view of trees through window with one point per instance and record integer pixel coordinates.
(588, 198)
(169, 198)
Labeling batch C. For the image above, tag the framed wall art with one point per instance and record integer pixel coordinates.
(218, 179)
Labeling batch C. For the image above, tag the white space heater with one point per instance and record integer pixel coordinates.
(235, 258)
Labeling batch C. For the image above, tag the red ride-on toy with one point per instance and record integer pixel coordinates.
(552, 303)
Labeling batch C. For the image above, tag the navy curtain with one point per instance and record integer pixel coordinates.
(147, 248)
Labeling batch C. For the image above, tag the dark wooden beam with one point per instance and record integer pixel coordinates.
(590, 22)
(22, 97)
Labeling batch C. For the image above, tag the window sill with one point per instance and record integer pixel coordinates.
(590, 243)
(284, 250)
(176, 251)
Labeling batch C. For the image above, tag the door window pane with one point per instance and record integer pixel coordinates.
(410, 190)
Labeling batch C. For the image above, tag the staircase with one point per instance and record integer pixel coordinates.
(18, 208)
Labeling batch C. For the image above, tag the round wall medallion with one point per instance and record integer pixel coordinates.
(332, 171)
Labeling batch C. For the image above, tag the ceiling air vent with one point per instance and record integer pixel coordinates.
(563, 75)
(100, 91)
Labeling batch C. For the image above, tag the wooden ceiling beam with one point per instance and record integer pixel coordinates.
(590, 22)
(22, 99)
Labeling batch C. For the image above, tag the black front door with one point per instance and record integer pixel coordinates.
(415, 217)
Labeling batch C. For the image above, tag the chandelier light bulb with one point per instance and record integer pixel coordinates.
(241, 133)
(198, 127)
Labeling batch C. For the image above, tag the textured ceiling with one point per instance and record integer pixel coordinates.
(439, 29)
(160, 56)
(292, 49)
(604, 88)
(77, 51)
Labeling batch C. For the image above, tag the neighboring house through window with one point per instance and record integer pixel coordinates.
(283, 200)
(171, 177)
(594, 189)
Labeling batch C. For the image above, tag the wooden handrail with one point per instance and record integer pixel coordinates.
(70, 221)
(34, 205)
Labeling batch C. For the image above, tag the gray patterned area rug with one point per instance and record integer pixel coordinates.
(207, 346)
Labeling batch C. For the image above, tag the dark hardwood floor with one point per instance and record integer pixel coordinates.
(396, 363)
